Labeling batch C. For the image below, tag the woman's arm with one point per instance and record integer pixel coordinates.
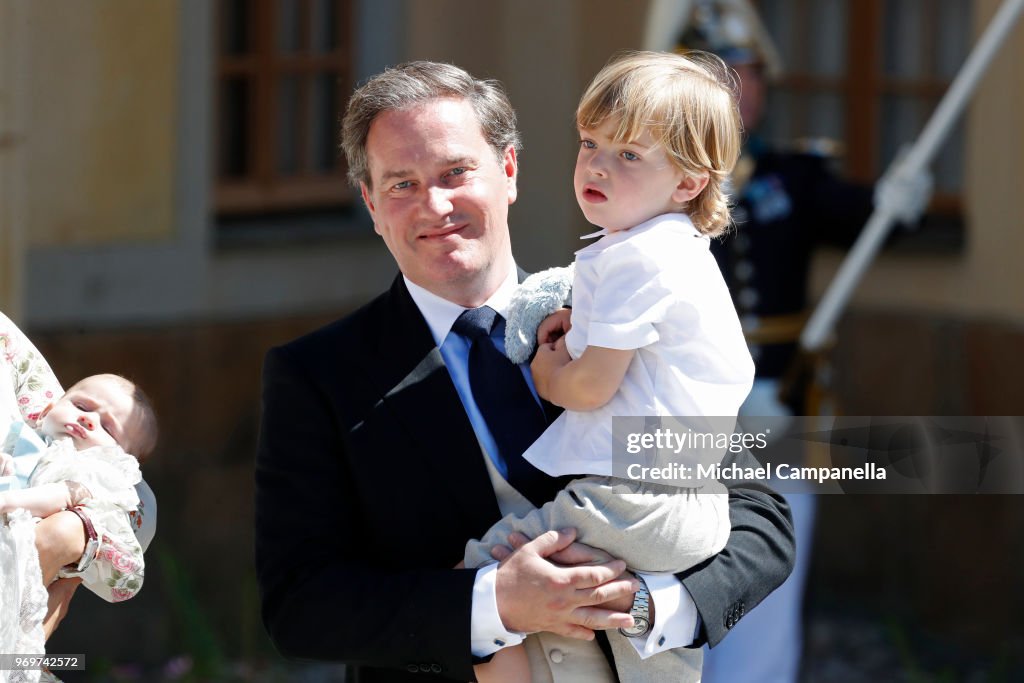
(44, 500)
(586, 383)
(61, 539)
(58, 602)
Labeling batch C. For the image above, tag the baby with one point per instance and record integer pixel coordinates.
(653, 333)
(103, 412)
(77, 460)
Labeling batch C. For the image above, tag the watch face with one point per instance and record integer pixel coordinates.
(640, 627)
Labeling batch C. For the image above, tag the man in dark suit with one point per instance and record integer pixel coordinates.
(374, 463)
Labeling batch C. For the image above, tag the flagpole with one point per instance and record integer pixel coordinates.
(903, 189)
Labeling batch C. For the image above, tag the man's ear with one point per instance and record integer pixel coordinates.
(689, 187)
(365, 192)
(510, 164)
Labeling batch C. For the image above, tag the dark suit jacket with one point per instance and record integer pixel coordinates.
(369, 481)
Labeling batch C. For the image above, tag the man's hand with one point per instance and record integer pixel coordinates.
(554, 327)
(549, 359)
(576, 554)
(535, 594)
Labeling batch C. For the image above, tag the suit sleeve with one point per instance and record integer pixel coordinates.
(756, 560)
(323, 597)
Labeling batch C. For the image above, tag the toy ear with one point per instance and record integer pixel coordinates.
(536, 298)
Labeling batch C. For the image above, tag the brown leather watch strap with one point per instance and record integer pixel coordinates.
(91, 545)
(90, 530)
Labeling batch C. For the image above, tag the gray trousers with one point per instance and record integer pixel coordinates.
(653, 528)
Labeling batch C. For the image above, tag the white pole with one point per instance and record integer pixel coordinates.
(905, 174)
(666, 20)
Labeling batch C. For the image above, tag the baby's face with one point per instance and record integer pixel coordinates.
(622, 184)
(98, 411)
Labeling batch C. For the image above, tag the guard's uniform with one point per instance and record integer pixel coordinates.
(788, 204)
(791, 203)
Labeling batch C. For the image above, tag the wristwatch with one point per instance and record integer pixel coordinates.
(641, 613)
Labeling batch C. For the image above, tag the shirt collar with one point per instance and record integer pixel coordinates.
(441, 314)
(677, 221)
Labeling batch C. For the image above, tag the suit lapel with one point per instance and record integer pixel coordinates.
(419, 392)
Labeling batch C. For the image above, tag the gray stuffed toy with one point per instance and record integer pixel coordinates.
(536, 298)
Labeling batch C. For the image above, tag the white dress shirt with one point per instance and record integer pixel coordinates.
(676, 614)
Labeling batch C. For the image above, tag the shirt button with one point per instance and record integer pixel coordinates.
(661, 641)
(557, 656)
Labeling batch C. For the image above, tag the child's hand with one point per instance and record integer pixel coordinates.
(554, 326)
(549, 359)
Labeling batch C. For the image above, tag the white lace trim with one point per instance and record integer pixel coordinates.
(21, 592)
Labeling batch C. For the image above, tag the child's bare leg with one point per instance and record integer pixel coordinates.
(60, 540)
(509, 665)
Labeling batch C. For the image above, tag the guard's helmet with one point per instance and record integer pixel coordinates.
(732, 30)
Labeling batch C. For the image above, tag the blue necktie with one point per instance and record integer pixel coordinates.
(506, 403)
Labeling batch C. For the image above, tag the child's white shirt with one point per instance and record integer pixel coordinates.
(656, 288)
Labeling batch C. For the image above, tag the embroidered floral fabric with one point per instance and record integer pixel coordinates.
(34, 383)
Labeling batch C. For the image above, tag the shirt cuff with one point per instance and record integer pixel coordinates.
(675, 616)
(487, 633)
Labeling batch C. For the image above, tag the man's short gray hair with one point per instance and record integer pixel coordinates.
(411, 83)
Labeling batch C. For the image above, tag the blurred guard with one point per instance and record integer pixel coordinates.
(788, 202)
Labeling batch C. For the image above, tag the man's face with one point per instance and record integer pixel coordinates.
(440, 198)
(98, 411)
(752, 94)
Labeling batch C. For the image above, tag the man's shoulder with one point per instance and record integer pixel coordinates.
(353, 333)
